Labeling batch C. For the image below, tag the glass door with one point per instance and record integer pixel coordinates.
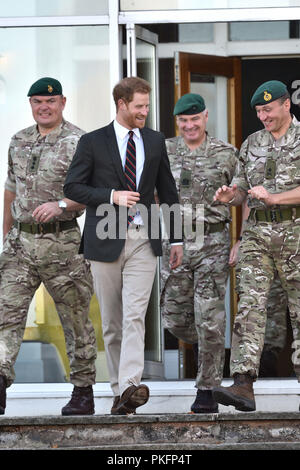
(142, 61)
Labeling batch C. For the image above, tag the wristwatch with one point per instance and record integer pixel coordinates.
(62, 204)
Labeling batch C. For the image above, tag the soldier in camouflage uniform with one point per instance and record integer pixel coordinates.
(192, 300)
(269, 174)
(41, 242)
(276, 324)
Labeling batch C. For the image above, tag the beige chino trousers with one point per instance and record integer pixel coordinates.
(123, 288)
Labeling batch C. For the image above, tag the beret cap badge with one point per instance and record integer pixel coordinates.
(190, 103)
(268, 92)
(267, 96)
(46, 86)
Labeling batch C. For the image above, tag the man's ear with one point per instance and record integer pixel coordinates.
(122, 104)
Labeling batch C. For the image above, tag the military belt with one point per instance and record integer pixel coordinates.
(275, 215)
(211, 228)
(49, 227)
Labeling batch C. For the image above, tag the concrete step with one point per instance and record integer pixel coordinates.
(38, 399)
(169, 432)
(33, 420)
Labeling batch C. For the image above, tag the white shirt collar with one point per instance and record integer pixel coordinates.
(122, 131)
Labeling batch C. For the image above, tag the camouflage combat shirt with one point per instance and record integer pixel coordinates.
(274, 164)
(200, 172)
(37, 167)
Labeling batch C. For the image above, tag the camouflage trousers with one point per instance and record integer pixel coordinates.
(192, 303)
(26, 261)
(266, 249)
(276, 324)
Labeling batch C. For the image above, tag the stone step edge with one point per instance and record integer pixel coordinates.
(169, 447)
(107, 419)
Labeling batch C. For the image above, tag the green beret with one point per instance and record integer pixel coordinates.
(268, 92)
(191, 103)
(45, 87)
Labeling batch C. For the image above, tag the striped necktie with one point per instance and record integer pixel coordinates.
(130, 168)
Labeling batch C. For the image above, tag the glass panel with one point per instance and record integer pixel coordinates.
(53, 8)
(146, 68)
(195, 32)
(214, 91)
(79, 58)
(145, 58)
(259, 31)
(133, 5)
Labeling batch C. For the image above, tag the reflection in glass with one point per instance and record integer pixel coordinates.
(259, 31)
(53, 8)
(133, 5)
(79, 58)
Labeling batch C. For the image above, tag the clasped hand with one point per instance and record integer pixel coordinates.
(45, 212)
(126, 198)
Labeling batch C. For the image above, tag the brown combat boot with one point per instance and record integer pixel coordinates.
(240, 394)
(81, 403)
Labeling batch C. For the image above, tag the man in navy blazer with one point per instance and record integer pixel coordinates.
(121, 235)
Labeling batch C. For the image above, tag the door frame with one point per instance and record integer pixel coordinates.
(229, 67)
(185, 64)
(134, 32)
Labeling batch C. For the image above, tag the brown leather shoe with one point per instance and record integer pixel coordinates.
(113, 410)
(2, 394)
(133, 397)
(81, 403)
(122, 410)
(240, 394)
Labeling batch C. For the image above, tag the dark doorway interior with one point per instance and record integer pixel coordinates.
(254, 72)
(257, 71)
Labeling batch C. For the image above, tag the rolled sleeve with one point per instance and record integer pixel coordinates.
(10, 183)
(240, 178)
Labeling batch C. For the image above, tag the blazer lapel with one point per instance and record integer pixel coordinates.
(114, 153)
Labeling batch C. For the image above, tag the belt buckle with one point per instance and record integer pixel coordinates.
(273, 215)
(41, 228)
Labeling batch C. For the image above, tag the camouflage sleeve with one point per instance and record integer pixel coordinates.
(10, 183)
(231, 166)
(240, 178)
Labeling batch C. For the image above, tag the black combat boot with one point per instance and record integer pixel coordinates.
(204, 402)
(2, 394)
(81, 403)
(269, 363)
(240, 394)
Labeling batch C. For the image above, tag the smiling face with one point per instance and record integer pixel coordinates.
(275, 116)
(47, 111)
(192, 128)
(134, 113)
